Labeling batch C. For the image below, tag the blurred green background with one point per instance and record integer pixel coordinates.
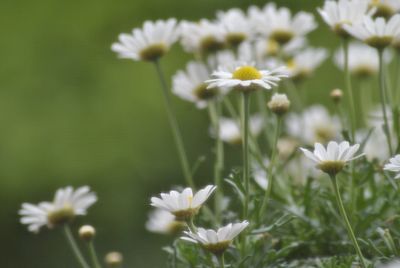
(73, 114)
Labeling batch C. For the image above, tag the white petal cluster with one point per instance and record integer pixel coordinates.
(163, 222)
(394, 165)
(149, 42)
(375, 147)
(67, 204)
(236, 26)
(385, 8)
(305, 62)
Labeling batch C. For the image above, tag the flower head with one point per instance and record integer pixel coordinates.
(216, 241)
(279, 104)
(236, 26)
(332, 159)
(67, 204)
(183, 205)
(385, 8)
(163, 222)
(245, 77)
(394, 165)
(303, 63)
(378, 32)
(149, 43)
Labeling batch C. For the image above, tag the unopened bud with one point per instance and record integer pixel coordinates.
(279, 104)
(87, 232)
(113, 259)
(336, 95)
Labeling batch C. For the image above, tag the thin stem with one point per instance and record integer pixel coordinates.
(191, 225)
(383, 100)
(174, 126)
(396, 88)
(245, 131)
(349, 89)
(222, 261)
(270, 172)
(346, 220)
(93, 255)
(75, 249)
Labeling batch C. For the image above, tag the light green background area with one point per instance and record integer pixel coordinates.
(71, 113)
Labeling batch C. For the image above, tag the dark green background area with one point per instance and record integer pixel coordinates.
(71, 113)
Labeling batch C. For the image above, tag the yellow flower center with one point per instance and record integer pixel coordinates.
(204, 93)
(245, 73)
(218, 248)
(272, 48)
(382, 9)
(379, 42)
(282, 36)
(235, 39)
(210, 44)
(291, 64)
(153, 52)
(331, 167)
(61, 216)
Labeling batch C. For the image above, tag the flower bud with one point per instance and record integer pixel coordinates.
(336, 95)
(279, 104)
(113, 259)
(87, 232)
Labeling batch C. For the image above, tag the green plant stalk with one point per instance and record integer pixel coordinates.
(382, 94)
(346, 220)
(93, 255)
(75, 249)
(222, 261)
(349, 89)
(215, 112)
(174, 127)
(397, 78)
(270, 174)
(245, 145)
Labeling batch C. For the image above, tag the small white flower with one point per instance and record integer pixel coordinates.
(149, 43)
(378, 32)
(278, 23)
(163, 222)
(229, 129)
(315, 124)
(376, 146)
(385, 8)
(332, 159)
(216, 241)
(67, 204)
(337, 14)
(183, 205)
(394, 165)
(236, 26)
(202, 37)
(279, 104)
(304, 63)
(245, 77)
(190, 84)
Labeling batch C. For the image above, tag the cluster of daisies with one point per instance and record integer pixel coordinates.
(262, 55)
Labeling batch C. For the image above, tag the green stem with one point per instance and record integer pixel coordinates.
(222, 261)
(346, 220)
(191, 225)
(78, 255)
(383, 100)
(270, 172)
(93, 255)
(245, 131)
(174, 126)
(349, 89)
(397, 79)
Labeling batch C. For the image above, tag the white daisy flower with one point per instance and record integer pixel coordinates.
(378, 32)
(385, 8)
(332, 159)
(376, 146)
(315, 124)
(149, 43)
(67, 204)
(230, 60)
(230, 132)
(363, 60)
(278, 23)
(216, 241)
(337, 14)
(163, 222)
(203, 38)
(304, 63)
(268, 47)
(394, 165)
(190, 84)
(245, 77)
(236, 26)
(183, 205)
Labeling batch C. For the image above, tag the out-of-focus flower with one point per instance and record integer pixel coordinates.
(385, 8)
(269, 48)
(378, 32)
(183, 205)
(149, 43)
(304, 63)
(375, 147)
(336, 95)
(216, 241)
(163, 222)
(236, 26)
(332, 159)
(113, 259)
(313, 125)
(394, 165)
(279, 104)
(190, 84)
(229, 129)
(67, 204)
(203, 37)
(279, 24)
(337, 14)
(260, 174)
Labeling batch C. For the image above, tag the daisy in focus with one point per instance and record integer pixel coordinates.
(394, 165)
(149, 43)
(334, 158)
(183, 205)
(216, 241)
(67, 204)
